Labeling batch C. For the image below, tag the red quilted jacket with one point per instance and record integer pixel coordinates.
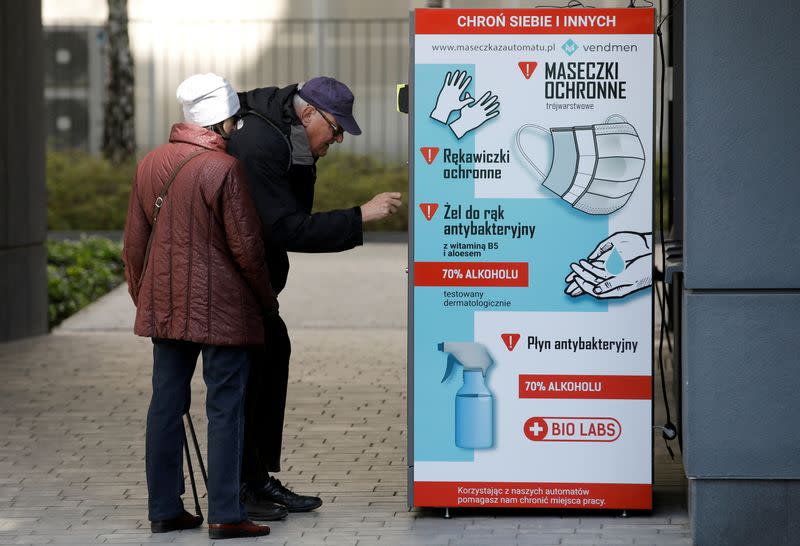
(206, 278)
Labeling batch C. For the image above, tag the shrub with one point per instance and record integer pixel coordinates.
(79, 272)
(345, 180)
(86, 192)
(89, 193)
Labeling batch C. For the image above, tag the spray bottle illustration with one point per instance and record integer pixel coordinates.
(474, 402)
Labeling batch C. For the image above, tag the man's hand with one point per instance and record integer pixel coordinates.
(379, 207)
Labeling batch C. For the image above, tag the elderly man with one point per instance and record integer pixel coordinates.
(282, 134)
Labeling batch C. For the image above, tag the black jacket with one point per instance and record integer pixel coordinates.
(271, 144)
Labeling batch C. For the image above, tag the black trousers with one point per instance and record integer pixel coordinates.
(225, 372)
(265, 403)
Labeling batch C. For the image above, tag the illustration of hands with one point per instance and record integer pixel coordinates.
(620, 265)
(454, 96)
(454, 86)
(476, 114)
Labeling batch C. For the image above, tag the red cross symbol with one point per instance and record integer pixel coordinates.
(535, 429)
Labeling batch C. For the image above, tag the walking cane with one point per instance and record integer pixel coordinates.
(191, 473)
(196, 449)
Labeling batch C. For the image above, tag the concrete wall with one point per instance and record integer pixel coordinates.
(741, 369)
(23, 205)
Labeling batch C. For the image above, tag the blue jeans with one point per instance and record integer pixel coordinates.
(225, 371)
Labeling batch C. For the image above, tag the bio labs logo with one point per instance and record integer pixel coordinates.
(570, 47)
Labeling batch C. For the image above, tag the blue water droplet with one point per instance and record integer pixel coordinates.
(614, 263)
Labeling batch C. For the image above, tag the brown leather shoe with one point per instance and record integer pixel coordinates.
(246, 528)
(184, 521)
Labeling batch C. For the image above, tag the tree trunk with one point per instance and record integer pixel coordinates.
(119, 137)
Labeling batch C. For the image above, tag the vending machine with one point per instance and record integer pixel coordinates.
(531, 251)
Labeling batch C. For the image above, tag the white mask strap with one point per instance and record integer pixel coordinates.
(519, 146)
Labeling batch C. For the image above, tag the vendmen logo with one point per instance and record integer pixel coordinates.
(570, 47)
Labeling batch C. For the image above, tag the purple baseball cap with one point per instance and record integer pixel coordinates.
(332, 96)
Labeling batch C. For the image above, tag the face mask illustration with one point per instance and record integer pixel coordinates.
(594, 168)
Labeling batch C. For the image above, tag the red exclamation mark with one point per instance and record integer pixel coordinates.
(428, 210)
(510, 340)
(429, 153)
(527, 68)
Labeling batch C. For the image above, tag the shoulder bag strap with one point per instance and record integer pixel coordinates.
(283, 136)
(157, 207)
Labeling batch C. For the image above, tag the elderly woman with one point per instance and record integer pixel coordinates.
(195, 266)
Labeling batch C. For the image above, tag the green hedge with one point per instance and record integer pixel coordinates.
(89, 193)
(345, 181)
(79, 272)
(86, 192)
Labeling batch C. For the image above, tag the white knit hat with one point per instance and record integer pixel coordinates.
(207, 99)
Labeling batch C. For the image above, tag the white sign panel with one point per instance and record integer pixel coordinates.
(531, 329)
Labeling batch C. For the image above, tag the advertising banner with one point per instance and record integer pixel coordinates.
(530, 324)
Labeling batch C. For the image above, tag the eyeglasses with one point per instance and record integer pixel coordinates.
(338, 130)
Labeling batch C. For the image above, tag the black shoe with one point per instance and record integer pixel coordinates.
(184, 521)
(260, 508)
(274, 491)
(243, 529)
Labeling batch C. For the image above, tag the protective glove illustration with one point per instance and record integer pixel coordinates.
(620, 265)
(476, 114)
(450, 96)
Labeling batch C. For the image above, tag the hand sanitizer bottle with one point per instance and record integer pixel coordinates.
(474, 412)
(474, 426)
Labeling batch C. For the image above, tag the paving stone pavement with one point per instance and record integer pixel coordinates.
(73, 406)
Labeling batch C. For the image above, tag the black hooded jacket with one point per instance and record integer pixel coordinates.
(272, 145)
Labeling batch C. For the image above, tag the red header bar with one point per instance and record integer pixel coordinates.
(507, 274)
(586, 387)
(534, 495)
(535, 21)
